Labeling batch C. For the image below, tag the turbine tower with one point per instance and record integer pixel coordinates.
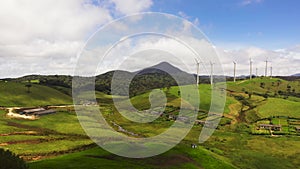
(198, 66)
(271, 71)
(266, 69)
(250, 69)
(211, 72)
(256, 72)
(234, 71)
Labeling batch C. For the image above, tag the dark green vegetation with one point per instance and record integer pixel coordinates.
(58, 141)
(143, 81)
(10, 160)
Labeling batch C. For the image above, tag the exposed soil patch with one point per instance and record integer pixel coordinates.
(20, 133)
(39, 156)
(33, 141)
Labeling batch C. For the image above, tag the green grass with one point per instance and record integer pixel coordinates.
(279, 107)
(15, 94)
(231, 145)
(142, 101)
(250, 151)
(280, 121)
(58, 132)
(10, 138)
(62, 122)
(182, 156)
(47, 147)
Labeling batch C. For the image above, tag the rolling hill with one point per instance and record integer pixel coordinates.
(16, 94)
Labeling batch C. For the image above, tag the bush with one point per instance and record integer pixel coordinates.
(9, 160)
(242, 128)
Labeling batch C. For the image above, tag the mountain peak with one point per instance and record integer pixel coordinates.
(162, 66)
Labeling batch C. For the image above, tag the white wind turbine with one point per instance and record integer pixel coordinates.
(198, 67)
(211, 72)
(234, 71)
(266, 68)
(271, 71)
(251, 68)
(256, 70)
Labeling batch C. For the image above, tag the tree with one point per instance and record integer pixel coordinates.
(28, 85)
(9, 160)
(288, 88)
(262, 85)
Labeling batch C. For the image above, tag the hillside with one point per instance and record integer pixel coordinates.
(238, 142)
(143, 81)
(16, 94)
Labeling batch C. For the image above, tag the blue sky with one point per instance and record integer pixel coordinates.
(269, 24)
(54, 31)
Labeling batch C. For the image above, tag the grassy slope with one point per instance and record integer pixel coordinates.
(248, 151)
(200, 157)
(179, 157)
(15, 94)
(270, 86)
(54, 133)
(279, 107)
(142, 101)
(224, 148)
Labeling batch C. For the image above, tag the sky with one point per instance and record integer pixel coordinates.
(46, 37)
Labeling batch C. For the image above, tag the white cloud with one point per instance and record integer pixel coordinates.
(249, 2)
(131, 6)
(283, 61)
(45, 36)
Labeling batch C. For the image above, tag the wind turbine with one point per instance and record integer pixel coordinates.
(266, 69)
(256, 72)
(250, 69)
(234, 71)
(211, 72)
(198, 65)
(271, 72)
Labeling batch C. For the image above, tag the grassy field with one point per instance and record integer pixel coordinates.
(50, 135)
(58, 141)
(181, 156)
(15, 94)
(279, 107)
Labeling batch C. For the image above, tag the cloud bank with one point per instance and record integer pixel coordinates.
(44, 37)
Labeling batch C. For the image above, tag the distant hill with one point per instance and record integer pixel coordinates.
(157, 76)
(144, 80)
(297, 74)
(162, 67)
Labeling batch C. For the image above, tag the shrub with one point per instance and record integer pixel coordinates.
(9, 160)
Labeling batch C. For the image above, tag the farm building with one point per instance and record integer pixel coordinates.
(200, 122)
(172, 117)
(183, 118)
(37, 111)
(44, 112)
(270, 127)
(208, 124)
(29, 111)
